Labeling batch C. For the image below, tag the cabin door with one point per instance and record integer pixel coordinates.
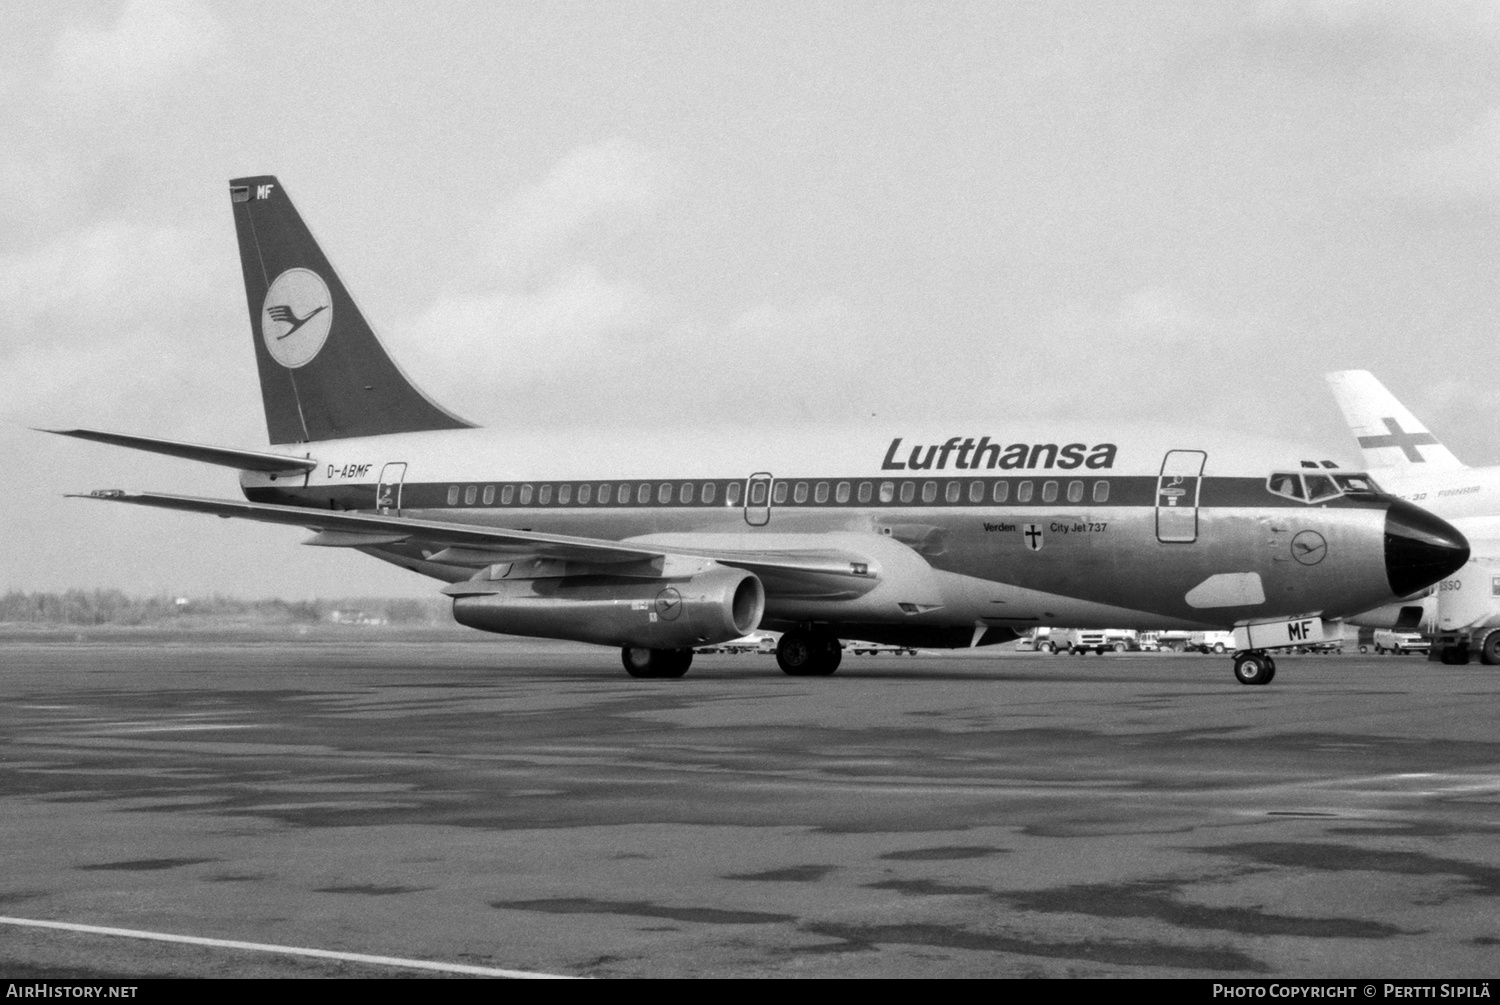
(388, 492)
(1177, 496)
(758, 500)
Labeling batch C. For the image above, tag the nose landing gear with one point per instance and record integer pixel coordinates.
(1253, 667)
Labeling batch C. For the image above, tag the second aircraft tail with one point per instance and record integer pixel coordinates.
(1389, 435)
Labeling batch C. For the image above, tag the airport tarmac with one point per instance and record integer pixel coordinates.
(527, 806)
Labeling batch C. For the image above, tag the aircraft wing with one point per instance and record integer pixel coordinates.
(804, 571)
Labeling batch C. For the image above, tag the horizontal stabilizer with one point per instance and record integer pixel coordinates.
(229, 457)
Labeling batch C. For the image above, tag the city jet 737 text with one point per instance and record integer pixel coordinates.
(959, 536)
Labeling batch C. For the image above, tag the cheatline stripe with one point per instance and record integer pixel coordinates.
(263, 947)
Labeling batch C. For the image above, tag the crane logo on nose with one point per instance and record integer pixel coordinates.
(1309, 548)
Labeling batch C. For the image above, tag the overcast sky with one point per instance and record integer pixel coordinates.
(604, 213)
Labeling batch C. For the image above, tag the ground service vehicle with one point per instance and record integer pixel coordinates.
(1400, 643)
(1210, 642)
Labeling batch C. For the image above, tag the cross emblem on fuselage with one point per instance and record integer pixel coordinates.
(1033, 535)
(1398, 437)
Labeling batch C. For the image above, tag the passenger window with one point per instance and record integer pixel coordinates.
(887, 491)
(820, 494)
(908, 491)
(841, 493)
(1049, 491)
(1286, 484)
(929, 491)
(976, 491)
(585, 493)
(452, 495)
(564, 494)
(507, 495)
(778, 493)
(866, 492)
(953, 491)
(1075, 491)
(525, 495)
(664, 493)
(489, 495)
(604, 491)
(685, 493)
(1320, 488)
(732, 494)
(1101, 491)
(799, 494)
(708, 492)
(470, 494)
(1002, 491)
(643, 493)
(1023, 492)
(544, 495)
(757, 493)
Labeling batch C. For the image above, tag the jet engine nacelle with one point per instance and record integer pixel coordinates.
(677, 613)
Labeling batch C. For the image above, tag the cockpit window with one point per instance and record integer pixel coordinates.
(1287, 484)
(1356, 483)
(1320, 487)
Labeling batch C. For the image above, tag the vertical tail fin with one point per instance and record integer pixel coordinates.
(323, 373)
(1389, 435)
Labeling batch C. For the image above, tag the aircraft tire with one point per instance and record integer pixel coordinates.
(1254, 668)
(1454, 656)
(656, 664)
(808, 654)
(1489, 650)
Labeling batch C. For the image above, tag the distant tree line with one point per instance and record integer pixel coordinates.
(115, 607)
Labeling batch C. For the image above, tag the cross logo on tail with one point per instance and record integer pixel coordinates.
(1398, 437)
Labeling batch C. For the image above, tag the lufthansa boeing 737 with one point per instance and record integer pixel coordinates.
(949, 537)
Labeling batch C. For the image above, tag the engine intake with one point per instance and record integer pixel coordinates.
(673, 613)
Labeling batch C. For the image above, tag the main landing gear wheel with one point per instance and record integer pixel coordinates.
(1454, 656)
(656, 663)
(808, 654)
(1254, 668)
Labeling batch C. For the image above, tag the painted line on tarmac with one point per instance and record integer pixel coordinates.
(263, 947)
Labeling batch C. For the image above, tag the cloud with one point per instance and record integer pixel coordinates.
(1154, 355)
(1437, 20)
(111, 322)
(594, 196)
(1464, 172)
(151, 42)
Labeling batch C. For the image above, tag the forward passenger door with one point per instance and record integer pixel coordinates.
(1177, 496)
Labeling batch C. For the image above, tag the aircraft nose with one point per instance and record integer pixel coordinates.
(1420, 549)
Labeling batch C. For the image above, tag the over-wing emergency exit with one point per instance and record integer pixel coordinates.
(659, 542)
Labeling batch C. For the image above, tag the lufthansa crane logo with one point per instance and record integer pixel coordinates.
(295, 317)
(1309, 548)
(669, 604)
